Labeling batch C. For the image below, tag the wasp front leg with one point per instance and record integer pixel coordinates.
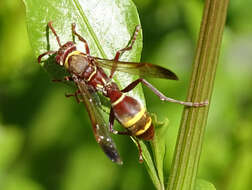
(44, 54)
(80, 38)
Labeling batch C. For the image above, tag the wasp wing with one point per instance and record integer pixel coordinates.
(141, 69)
(99, 125)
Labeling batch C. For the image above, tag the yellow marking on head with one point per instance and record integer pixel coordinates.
(146, 127)
(69, 55)
(135, 119)
(118, 100)
(92, 74)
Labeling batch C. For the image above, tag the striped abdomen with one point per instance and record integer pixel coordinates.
(133, 117)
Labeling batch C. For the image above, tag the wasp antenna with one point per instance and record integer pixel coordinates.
(54, 32)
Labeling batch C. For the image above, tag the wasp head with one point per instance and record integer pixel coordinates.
(63, 51)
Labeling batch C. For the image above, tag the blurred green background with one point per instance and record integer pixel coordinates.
(46, 141)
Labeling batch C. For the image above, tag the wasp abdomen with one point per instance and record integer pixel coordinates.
(134, 117)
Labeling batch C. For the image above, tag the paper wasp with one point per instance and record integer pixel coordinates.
(87, 73)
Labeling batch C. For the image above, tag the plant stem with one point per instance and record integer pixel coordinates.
(190, 138)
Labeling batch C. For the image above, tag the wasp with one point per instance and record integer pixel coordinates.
(87, 73)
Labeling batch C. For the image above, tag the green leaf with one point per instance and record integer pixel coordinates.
(204, 185)
(106, 25)
(159, 146)
(150, 165)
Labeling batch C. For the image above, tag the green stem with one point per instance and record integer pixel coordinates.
(189, 142)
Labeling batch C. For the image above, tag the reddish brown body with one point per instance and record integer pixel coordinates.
(127, 110)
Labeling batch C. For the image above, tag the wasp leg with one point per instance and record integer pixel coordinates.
(44, 54)
(161, 95)
(121, 51)
(77, 92)
(140, 151)
(57, 38)
(111, 124)
(79, 99)
(80, 38)
(66, 78)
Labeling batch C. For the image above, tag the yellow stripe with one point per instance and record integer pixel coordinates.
(92, 74)
(146, 127)
(104, 81)
(135, 119)
(69, 55)
(118, 100)
(99, 86)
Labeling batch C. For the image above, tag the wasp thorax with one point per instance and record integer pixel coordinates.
(77, 64)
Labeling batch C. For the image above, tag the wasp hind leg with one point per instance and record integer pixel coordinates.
(140, 159)
(112, 130)
(161, 95)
